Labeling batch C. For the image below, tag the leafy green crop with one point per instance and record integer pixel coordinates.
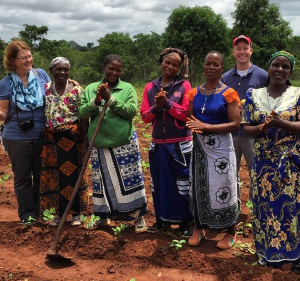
(119, 229)
(48, 215)
(89, 222)
(177, 244)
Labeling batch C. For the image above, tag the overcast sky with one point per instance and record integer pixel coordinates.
(86, 20)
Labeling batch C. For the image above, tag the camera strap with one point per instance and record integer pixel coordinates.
(9, 117)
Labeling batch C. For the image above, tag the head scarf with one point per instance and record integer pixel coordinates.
(285, 54)
(58, 60)
(182, 56)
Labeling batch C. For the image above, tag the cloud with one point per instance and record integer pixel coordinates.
(87, 21)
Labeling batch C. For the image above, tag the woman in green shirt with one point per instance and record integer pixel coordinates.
(118, 185)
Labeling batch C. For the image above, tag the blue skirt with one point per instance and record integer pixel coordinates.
(169, 168)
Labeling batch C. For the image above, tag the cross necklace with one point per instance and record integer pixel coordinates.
(207, 96)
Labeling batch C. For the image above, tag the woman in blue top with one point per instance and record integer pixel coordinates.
(22, 94)
(214, 114)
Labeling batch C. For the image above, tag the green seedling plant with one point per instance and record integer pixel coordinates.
(249, 205)
(48, 215)
(89, 222)
(241, 227)
(251, 264)
(3, 179)
(31, 220)
(6, 177)
(145, 165)
(244, 247)
(147, 136)
(119, 229)
(177, 244)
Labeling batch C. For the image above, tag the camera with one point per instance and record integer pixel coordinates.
(26, 125)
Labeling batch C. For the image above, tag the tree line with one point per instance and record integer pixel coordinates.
(195, 30)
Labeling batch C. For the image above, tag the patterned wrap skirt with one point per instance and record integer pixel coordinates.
(62, 160)
(214, 191)
(118, 184)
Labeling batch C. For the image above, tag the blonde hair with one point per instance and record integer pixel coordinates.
(10, 53)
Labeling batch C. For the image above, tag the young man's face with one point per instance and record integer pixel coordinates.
(242, 51)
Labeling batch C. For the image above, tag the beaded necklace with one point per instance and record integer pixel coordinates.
(165, 85)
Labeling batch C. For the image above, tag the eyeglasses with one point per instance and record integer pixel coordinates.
(25, 58)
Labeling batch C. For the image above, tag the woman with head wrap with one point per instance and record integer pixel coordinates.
(63, 149)
(271, 115)
(165, 106)
(22, 94)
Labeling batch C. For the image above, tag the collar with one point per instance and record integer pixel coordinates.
(249, 70)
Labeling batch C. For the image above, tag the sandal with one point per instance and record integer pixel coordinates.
(140, 225)
(226, 242)
(195, 239)
(76, 221)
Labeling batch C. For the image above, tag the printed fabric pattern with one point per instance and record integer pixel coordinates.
(62, 110)
(275, 177)
(118, 184)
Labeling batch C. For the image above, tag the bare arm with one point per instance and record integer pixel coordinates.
(191, 109)
(233, 114)
(252, 131)
(4, 109)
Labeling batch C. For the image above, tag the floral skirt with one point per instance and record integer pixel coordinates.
(276, 203)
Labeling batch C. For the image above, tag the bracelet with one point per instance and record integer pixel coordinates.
(94, 104)
(110, 101)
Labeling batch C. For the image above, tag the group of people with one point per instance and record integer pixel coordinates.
(199, 136)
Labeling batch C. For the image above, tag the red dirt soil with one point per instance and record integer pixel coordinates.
(99, 255)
